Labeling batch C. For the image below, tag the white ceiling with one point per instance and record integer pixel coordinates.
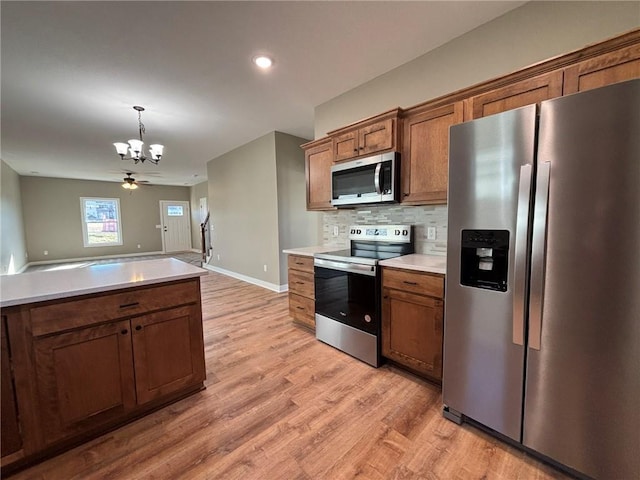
(71, 72)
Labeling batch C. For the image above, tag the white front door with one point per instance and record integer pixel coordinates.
(176, 226)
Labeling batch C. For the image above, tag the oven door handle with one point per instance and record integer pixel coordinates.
(346, 267)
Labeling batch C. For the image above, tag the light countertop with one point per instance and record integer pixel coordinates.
(419, 262)
(50, 285)
(310, 251)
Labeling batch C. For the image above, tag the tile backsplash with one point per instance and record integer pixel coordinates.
(420, 217)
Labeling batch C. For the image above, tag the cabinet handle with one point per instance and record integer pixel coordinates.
(138, 327)
(128, 305)
(300, 283)
(299, 263)
(410, 283)
(361, 148)
(124, 331)
(300, 308)
(405, 194)
(355, 150)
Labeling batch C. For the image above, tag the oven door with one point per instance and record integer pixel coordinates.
(348, 293)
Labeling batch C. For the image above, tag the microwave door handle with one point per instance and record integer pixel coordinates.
(376, 178)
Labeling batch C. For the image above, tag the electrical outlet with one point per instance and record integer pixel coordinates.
(265, 267)
(138, 245)
(46, 252)
(218, 256)
(431, 233)
(336, 230)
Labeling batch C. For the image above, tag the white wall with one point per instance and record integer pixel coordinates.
(532, 33)
(13, 245)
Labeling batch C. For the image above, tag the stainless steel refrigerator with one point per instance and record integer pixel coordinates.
(542, 305)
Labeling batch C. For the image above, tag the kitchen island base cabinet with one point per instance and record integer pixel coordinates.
(80, 370)
(412, 321)
(84, 379)
(11, 441)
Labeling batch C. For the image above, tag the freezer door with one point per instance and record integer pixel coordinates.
(582, 397)
(490, 174)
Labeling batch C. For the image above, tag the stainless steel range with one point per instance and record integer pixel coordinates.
(347, 289)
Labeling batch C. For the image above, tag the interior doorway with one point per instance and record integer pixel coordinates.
(176, 226)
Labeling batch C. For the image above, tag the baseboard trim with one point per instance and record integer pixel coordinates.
(260, 283)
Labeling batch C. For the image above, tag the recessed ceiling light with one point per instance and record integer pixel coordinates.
(263, 61)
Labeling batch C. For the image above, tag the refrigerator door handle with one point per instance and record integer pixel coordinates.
(520, 264)
(538, 255)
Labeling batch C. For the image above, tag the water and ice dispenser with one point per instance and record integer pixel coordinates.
(484, 259)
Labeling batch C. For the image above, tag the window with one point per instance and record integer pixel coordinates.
(101, 222)
(175, 210)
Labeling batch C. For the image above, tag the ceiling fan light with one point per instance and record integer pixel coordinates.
(121, 148)
(126, 186)
(133, 186)
(156, 151)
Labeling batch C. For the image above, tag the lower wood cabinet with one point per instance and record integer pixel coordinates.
(78, 370)
(168, 352)
(412, 320)
(84, 379)
(302, 290)
(11, 440)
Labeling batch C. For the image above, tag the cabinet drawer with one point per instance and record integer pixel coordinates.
(71, 314)
(301, 283)
(416, 282)
(302, 309)
(299, 262)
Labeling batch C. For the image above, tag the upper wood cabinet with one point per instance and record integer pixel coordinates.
(318, 158)
(515, 95)
(613, 67)
(421, 132)
(425, 153)
(371, 136)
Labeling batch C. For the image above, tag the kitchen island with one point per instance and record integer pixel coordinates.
(85, 350)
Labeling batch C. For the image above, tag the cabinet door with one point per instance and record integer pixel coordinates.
(412, 331)
(84, 379)
(345, 146)
(11, 439)
(318, 161)
(515, 95)
(168, 352)
(425, 156)
(376, 137)
(614, 67)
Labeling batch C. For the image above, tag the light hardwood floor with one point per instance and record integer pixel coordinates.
(281, 405)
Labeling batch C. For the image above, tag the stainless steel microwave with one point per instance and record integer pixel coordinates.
(373, 179)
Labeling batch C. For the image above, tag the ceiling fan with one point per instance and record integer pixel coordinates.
(131, 183)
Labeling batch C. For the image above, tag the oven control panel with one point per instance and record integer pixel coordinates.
(381, 233)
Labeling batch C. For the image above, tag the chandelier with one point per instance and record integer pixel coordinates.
(135, 145)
